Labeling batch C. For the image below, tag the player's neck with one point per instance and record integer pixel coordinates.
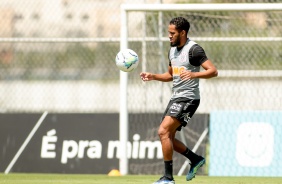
(182, 43)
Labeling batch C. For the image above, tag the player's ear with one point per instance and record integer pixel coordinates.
(183, 33)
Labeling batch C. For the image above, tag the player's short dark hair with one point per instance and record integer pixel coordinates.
(180, 24)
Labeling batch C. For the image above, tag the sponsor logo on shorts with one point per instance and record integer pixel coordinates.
(187, 117)
(175, 107)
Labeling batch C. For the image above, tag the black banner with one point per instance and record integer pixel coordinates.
(87, 143)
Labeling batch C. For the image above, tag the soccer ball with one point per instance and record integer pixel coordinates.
(127, 60)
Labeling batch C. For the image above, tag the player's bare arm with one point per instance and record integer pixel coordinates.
(209, 72)
(164, 77)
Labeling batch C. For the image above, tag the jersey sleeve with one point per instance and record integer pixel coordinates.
(197, 55)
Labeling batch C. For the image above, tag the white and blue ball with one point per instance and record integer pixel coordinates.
(127, 60)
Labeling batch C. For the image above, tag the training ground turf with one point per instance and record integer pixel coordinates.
(130, 179)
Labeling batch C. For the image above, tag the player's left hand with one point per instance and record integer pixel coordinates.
(187, 75)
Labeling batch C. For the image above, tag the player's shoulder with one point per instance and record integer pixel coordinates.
(196, 48)
(192, 45)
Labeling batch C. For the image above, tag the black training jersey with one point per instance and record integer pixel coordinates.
(189, 57)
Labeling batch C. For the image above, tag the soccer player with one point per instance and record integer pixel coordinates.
(186, 58)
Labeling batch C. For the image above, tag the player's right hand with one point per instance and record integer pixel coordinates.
(145, 76)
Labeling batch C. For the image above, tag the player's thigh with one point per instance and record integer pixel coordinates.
(169, 125)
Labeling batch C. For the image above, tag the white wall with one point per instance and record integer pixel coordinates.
(226, 92)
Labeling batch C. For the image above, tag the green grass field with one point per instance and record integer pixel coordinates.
(130, 179)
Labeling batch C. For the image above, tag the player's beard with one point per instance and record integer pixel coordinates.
(176, 43)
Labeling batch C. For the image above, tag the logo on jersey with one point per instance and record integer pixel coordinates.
(176, 70)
